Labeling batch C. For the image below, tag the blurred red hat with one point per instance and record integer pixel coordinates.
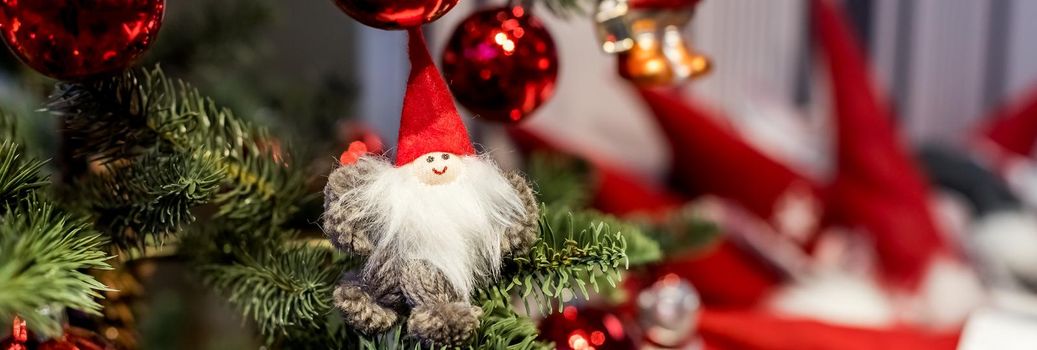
(877, 186)
(1013, 127)
(430, 121)
(710, 159)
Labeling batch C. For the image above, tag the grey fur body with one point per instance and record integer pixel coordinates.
(390, 286)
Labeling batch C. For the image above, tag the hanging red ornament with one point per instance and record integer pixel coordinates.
(501, 63)
(73, 39)
(395, 14)
(20, 338)
(77, 339)
(586, 328)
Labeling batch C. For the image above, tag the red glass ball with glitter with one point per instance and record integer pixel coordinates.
(74, 39)
(501, 64)
(586, 328)
(77, 339)
(395, 14)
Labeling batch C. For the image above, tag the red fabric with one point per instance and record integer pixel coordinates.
(725, 275)
(709, 159)
(662, 4)
(1013, 128)
(752, 330)
(429, 122)
(877, 186)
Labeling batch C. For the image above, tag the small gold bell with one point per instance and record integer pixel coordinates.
(645, 63)
(686, 62)
(648, 42)
(660, 56)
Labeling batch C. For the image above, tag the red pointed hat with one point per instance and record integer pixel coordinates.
(877, 186)
(1013, 128)
(710, 159)
(430, 121)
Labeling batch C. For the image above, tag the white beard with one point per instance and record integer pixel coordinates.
(456, 227)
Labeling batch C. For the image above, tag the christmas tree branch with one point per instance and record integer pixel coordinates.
(499, 328)
(141, 116)
(18, 177)
(575, 248)
(42, 251)
(286, 288)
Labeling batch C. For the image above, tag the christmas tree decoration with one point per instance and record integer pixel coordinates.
(20, 338)
(77, 339)
(587, 328)
(871, 157)
(434, 225)
(668, 311)
(75, 39)
(395, 14)
(879, 189)
(738, 172)
(501, 63)
(647, 38)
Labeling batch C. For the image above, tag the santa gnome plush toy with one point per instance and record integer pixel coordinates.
(433, 225)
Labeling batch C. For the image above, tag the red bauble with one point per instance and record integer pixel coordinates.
(77, 339)
(72, 39)
(395, 14)
(20, 338)
(586, 329)
(501, 64)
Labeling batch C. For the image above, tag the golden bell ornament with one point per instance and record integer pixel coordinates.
(649, 43)
(660, 57)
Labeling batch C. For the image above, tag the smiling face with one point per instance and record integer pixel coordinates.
(437, 167)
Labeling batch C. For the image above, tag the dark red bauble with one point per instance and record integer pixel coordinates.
(77, 339)
(501, 64)
(586, 329)
(395, 14)
(73, 39)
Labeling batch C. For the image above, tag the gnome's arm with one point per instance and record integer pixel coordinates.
(343, 223)
(520, 236)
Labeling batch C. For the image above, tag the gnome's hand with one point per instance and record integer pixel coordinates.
(520, 237)
(342, 219)
(351, 155)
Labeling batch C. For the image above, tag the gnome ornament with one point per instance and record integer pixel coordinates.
(434, 225)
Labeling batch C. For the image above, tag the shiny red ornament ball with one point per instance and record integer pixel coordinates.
(395, 14)
(77, 339)
(587, 328)
(501, 64)
(74, 39)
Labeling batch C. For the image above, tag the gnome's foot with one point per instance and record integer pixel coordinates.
(361, 311)
(444, 324)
